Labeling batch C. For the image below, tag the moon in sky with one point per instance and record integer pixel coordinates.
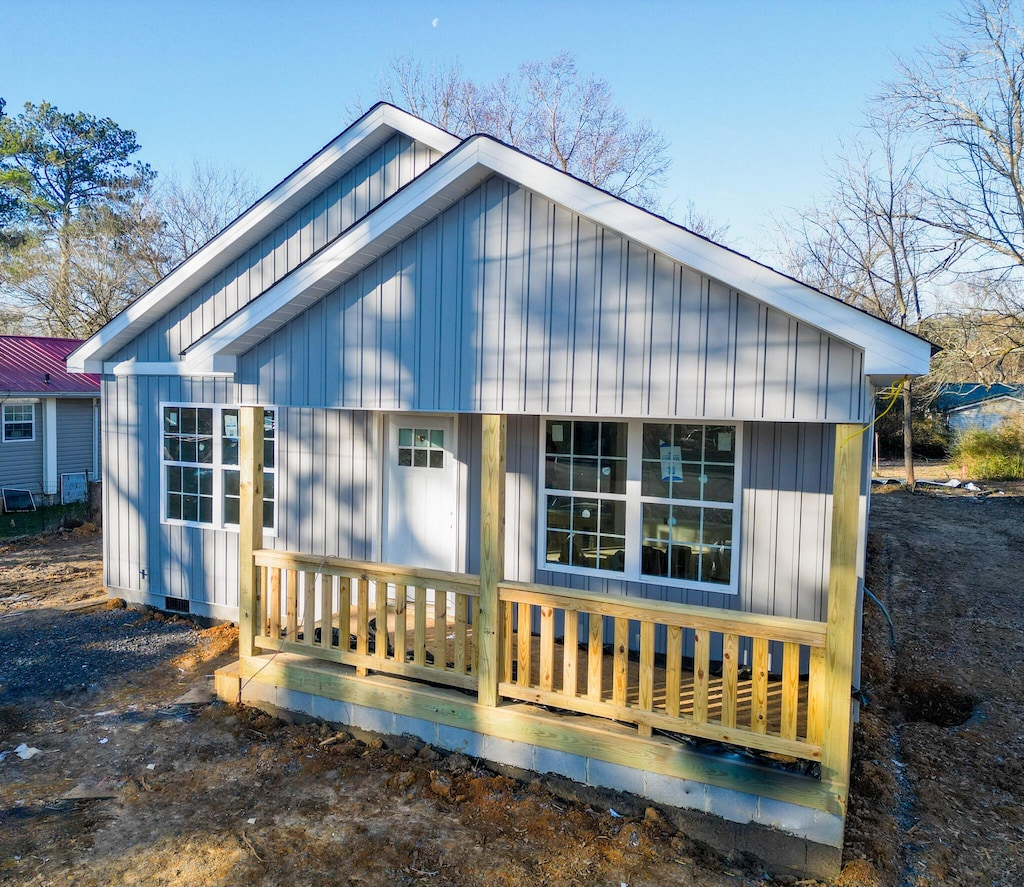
(433, 24)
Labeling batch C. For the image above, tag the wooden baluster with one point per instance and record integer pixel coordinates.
(673, 669)
(570, 652)
(595, 657)
(326, 609)
(362, 621)
(701, 673)
(816, 696)
(507, 615)
(401, 622)
(274, 603)
(790, 689)
(292, 615)
(440, 628)
(461, 625)
(380, 599)
(524, 652)
(620, 664)
(547, 648)
(419, 637)
(646, 698)
(759, 687)
(730, 678)
(308, 607)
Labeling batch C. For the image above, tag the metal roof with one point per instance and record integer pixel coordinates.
(958, 395)
(35, 365)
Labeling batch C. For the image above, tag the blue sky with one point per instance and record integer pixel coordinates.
(753, 96)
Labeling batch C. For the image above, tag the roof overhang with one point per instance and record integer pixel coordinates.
(889, 352)
(343, 153)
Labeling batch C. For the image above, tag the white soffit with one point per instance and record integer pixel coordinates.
(326, 166)
(889, 351)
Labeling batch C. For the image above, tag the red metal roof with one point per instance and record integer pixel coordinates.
(26, 361)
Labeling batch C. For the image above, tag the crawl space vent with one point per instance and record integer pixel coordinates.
(176, 605)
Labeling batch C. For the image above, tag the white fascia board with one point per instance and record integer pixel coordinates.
(889, 351)
(329, 163)
(166, 368)
(325, 271)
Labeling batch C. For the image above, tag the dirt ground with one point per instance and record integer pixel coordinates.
(135, 784)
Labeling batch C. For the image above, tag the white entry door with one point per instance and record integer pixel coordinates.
(420, 492)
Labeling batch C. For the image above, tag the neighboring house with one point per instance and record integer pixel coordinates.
(970, 406)
(50, 434)
(560, 450)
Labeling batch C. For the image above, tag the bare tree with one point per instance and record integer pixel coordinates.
(195, 210)
(547, 109)
(866, 243)
(968, 95)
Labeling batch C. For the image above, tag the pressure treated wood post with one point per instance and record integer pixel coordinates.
(250, 522)
(842, 609)
(492, 556)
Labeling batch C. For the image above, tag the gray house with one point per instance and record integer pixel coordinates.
(971, 406)
(49, 421)
(476, 451)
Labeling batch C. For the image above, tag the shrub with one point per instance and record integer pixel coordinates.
(992, 454)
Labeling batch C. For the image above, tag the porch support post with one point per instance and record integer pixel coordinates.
(250, 523)
(492, 557)
(843, 587)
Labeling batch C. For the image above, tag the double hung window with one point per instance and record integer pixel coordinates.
(200, 466)
(642, 500)
(19, 421)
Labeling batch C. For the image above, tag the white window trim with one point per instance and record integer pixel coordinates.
(634, 500)
(218, 467)
(4, 421)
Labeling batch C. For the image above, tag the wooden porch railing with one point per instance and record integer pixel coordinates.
(378, 617)
(654, 692)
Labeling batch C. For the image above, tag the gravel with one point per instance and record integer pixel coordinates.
(72, 653)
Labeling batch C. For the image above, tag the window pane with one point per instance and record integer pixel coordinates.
(437, 458)
(172, 449)
(204, 447)
(419, 458)
(613, 476)
(268, 453)
(188, 420)
(405, 437)
(559, 437)
(268, 485)
(230, 510)
(557, 544)
(268, 515)
(173, 506)
(171, 419)
(206, 509)
(204, 421)
(421, 438)
(584, 474)
(719, 484)
(206, 481)
(404, 456)
(558, 473)
(436, 437)
(232, 480)
(190, 508)
(173, 479)
(720, 444)
(190, 480)
(612, 517)
(613, 439)
(585, 437)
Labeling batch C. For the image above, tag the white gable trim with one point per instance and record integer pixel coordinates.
(889, 351)
(343, 153)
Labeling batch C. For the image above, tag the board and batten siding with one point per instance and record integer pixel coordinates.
(75, 439)
(327, 488)
(320, 221)
(21, 461)
(329, 483)
(509, 303)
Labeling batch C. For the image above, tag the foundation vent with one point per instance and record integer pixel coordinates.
(176, 605)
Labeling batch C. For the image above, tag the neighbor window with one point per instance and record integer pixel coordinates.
(201, 473)
(19, 421)
(641, 500)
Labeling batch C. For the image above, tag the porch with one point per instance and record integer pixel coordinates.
(524, 673)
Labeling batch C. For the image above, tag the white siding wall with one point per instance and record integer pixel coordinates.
(509, 303)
